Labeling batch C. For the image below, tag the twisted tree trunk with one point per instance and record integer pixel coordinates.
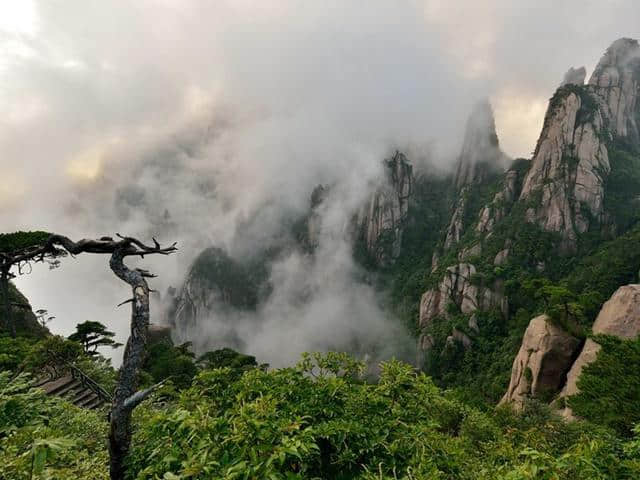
(120, 417)
(4, 280)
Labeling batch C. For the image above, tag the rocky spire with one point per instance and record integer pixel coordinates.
(565, 184)
(480, 150)
(616, 80)
(381, 221)
(574, 76)
(479, 158)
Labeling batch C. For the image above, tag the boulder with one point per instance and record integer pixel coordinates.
(501, 257)
(159, 334)
(545, 356)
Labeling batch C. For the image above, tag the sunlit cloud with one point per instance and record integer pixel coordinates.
(519, 116)
(87, 165)
(18, 16)
(12, 190)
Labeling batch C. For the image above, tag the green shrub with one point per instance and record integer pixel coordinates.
(610, 386)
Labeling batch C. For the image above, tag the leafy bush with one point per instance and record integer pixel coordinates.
(321, 420)
(42, 437)
(610, 386)
(164, 360)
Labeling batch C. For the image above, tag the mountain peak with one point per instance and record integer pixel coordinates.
(480, 149)
(616, 79)
(574, 76)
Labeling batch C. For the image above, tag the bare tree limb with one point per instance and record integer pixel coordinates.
(134, 400)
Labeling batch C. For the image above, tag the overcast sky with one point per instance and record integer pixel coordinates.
(113, 112)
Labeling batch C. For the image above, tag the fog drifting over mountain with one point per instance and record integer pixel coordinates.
(226, 114)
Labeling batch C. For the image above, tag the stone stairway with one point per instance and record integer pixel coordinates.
(75, 386)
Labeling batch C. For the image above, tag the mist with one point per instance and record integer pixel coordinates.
(209, 123)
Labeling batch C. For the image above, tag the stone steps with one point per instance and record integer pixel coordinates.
(72, 390)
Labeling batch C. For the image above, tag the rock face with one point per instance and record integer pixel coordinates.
(22, 315)
(159, 334)
(565, 184)
(314, 221)
(459, 337)
(497, 209)
(616, 81)
(456, 287)
(456, 225)
(214, 282)
(540, 366)
(619, 316)
(569, 167)
(381, 222)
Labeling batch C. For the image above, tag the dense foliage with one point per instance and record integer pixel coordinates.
(166, 361)
(321, 419)
(11, 242)
(610, 386)
(42, 437)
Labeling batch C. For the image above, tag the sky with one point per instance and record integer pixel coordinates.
(225, 114)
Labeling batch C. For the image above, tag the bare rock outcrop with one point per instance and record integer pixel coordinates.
(456, 224)
(381, 222)
(574, 76)
(215, 282)
(565, 184)
(569, 166)
(620, 317)
(458, 337)
(480, 154)
(498, 208)
(542, 362)
(458, 288)
(616, 81)
(314, 221)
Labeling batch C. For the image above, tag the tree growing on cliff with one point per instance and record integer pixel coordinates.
(91, 335)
